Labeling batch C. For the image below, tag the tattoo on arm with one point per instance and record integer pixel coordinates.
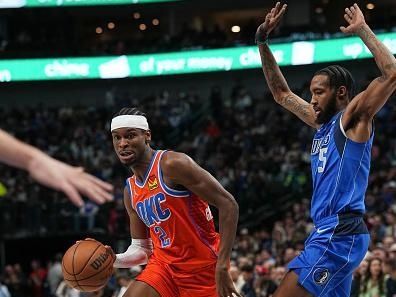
(275, 79)
(280, 89)
(390, 67)
(366, 36)
(383, 57)
(291, 103)
(369, 39)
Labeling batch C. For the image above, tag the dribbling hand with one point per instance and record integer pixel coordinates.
(111, 252)
(108, 248)
(272, 19)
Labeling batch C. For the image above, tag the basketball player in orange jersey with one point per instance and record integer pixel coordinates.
(170, 221)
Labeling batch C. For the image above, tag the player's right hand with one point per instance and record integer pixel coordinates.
(272, 19)
(111, 252)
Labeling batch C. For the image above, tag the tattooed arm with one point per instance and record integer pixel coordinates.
(275, 80)
(280, 90)
(360, 112)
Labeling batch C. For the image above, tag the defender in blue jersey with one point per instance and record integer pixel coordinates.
(340, 159)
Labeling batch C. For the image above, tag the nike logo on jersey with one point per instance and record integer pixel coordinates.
(319, 230)
(150, 210)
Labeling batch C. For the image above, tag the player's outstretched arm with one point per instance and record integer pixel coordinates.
(273, 75)
(179, 169)
(366, 104)
(73, 181)
(141, 246)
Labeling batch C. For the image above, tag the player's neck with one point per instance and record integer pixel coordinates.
(140, 168)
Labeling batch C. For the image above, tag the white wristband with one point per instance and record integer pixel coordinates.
(137, 253)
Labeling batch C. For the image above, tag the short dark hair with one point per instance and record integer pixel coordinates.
(339, 76)
(129, 111)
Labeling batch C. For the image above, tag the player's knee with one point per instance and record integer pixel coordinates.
(290, 287)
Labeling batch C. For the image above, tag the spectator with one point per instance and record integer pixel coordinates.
(4, 292)
(237, 278)
(390, 284)
(248, 277)
(87, 214)
(374, 284)
(264, 285)
(123, 281)
(359, 278)
(55, 275)
(392, 251)
(37, 278)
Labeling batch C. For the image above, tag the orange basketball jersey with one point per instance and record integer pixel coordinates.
(181, 224)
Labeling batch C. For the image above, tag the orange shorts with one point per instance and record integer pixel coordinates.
(169, 283)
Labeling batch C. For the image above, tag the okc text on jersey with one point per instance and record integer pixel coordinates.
(150, 210)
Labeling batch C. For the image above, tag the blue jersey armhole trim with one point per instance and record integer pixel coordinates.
(128, 187)
(168, 190)
(339, 136)
(340, 129)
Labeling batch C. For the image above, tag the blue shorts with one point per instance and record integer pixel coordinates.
(333, 250)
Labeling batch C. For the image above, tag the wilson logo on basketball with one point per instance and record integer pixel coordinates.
(152, 182)
(99, 261)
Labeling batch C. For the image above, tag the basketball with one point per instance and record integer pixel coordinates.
(87, 265)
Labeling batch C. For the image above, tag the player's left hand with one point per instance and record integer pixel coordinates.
(354, 16)
(224, 284)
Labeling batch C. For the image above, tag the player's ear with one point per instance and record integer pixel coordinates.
(148, 136)
(342, 93)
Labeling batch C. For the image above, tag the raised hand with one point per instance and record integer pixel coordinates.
(73, 181)
(271, 21)
(354, 16)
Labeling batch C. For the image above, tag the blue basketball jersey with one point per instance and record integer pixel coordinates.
(340, 169)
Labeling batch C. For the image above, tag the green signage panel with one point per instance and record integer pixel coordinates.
(296, 53)
(55, 3)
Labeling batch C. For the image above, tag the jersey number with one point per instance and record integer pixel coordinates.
(322, 158)
(165, 241)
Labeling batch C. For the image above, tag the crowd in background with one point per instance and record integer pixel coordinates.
(256, 150)
(235, 137)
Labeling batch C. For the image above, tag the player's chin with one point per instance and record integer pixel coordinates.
(320, 119)
(127, 161)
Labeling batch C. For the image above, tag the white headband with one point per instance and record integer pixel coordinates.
(129, 121)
